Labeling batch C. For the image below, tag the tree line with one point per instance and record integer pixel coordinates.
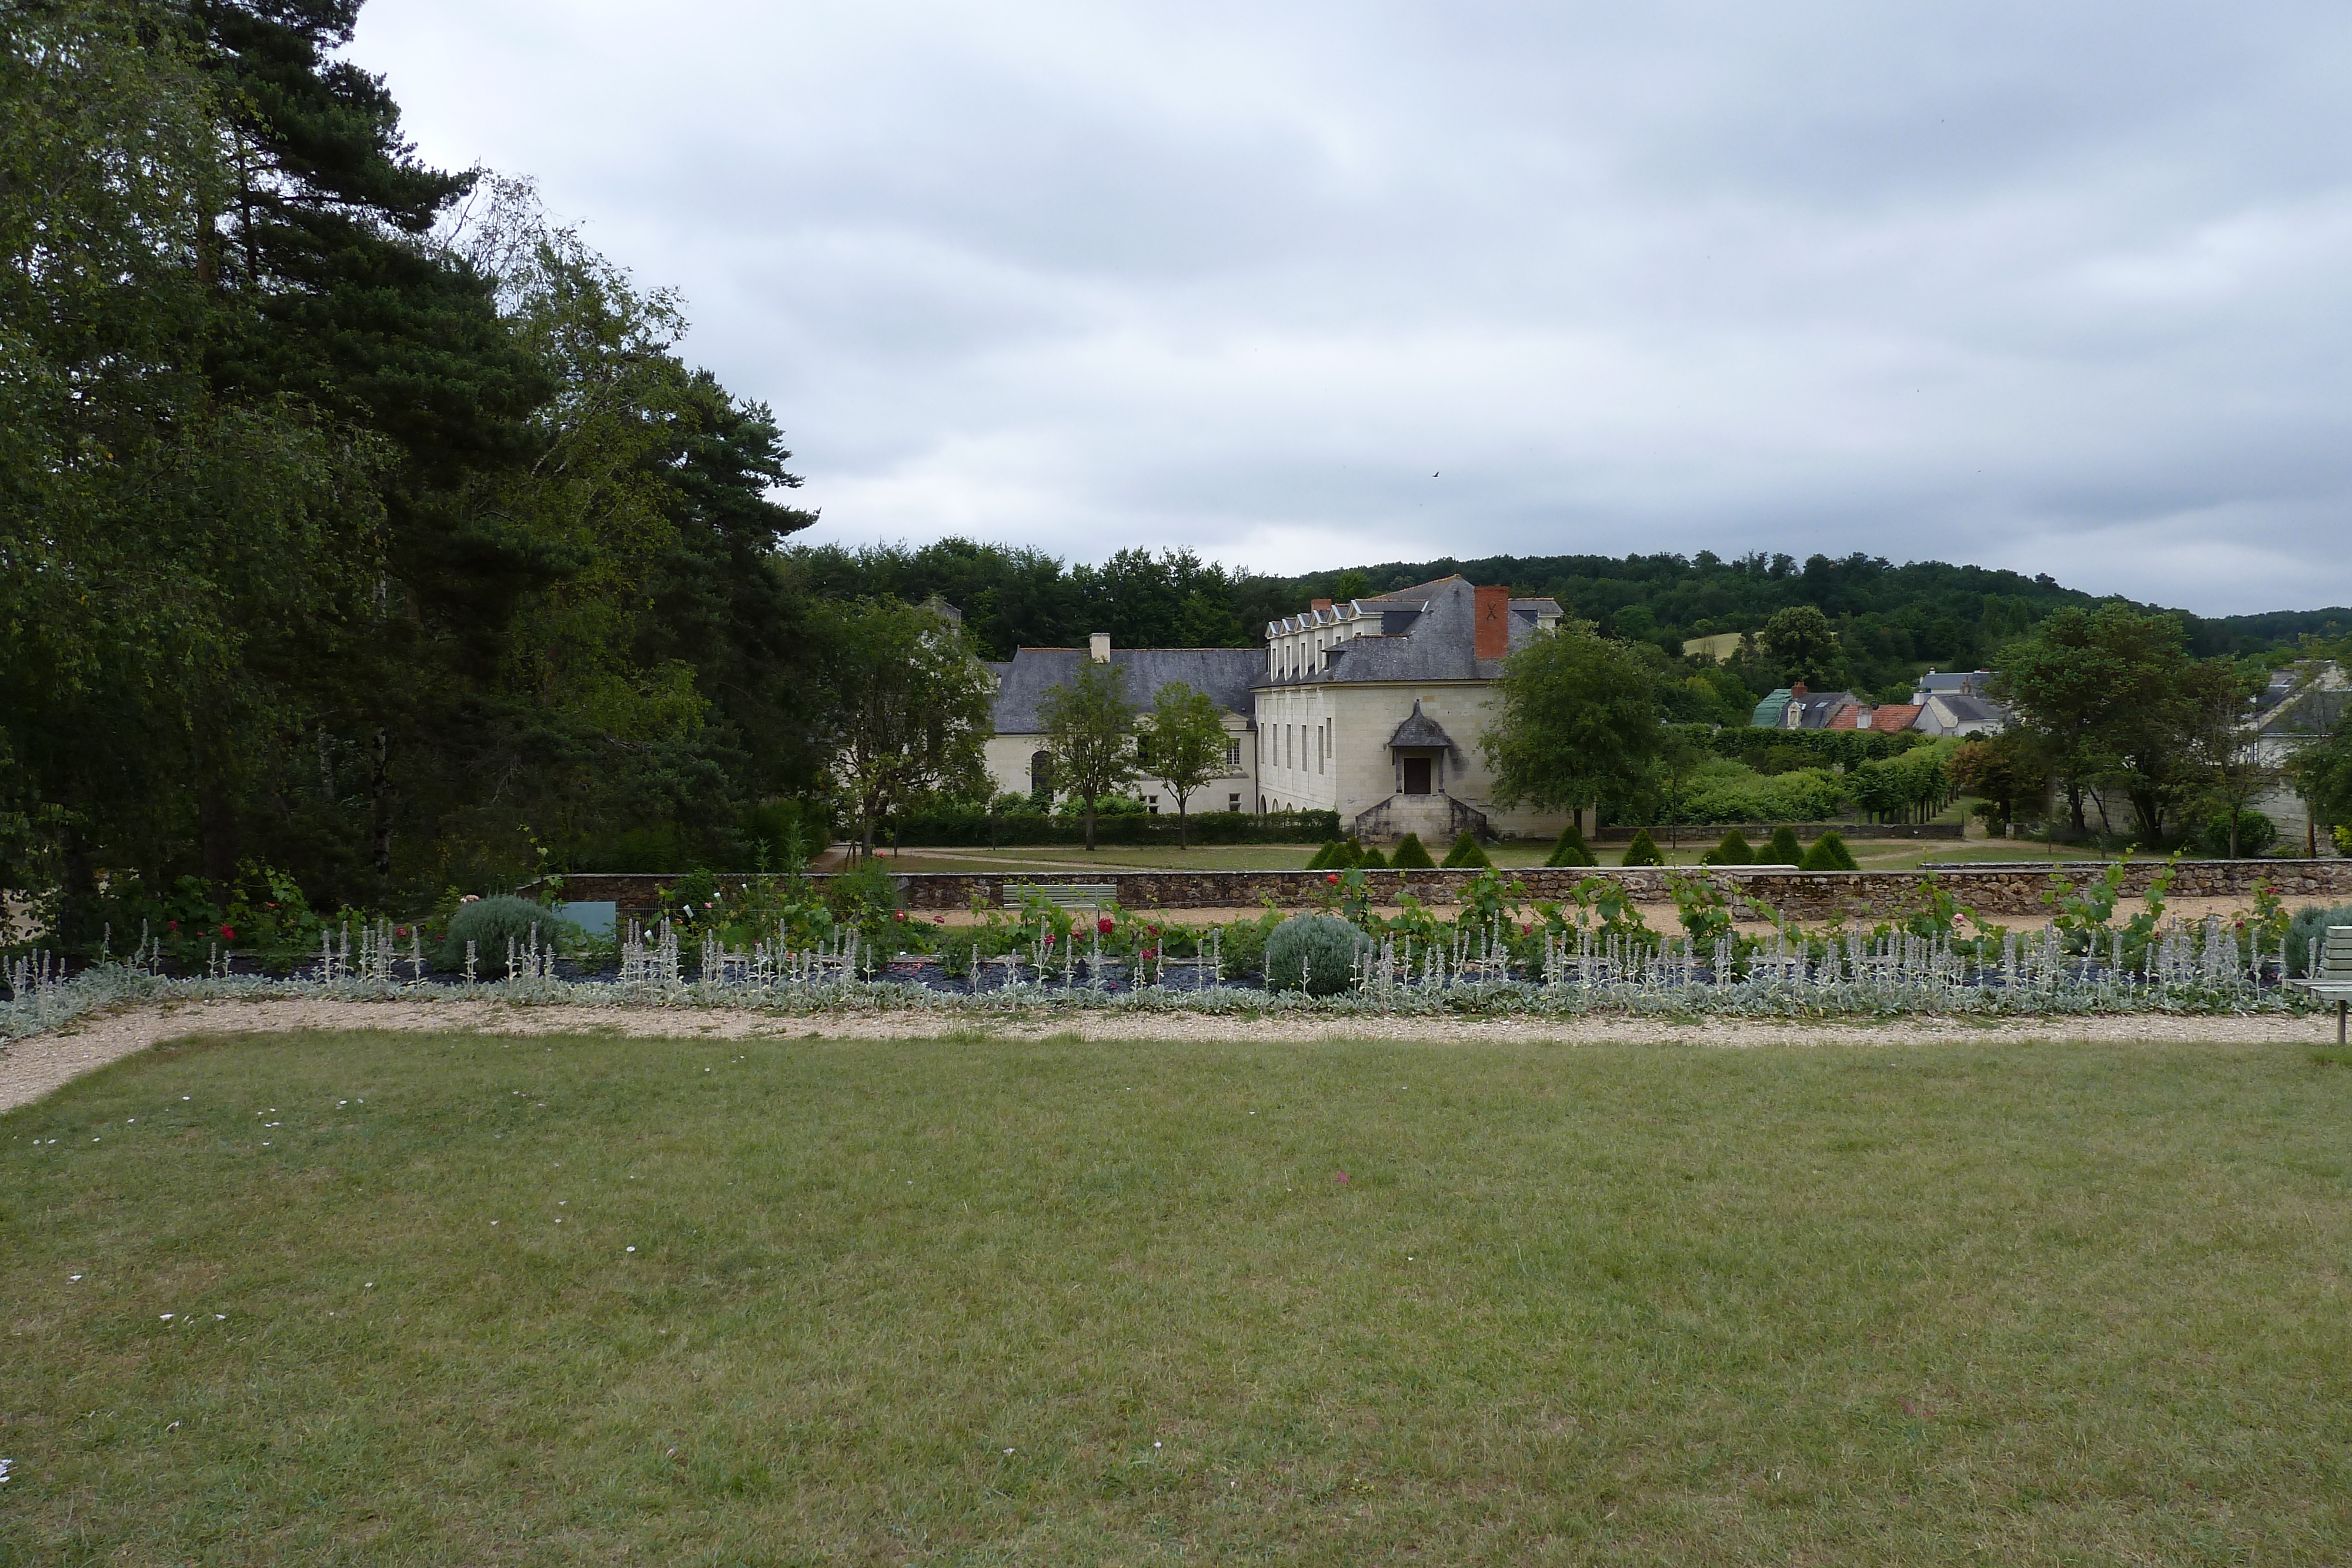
(363, 532)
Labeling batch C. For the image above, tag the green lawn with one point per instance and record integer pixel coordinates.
(973, 1302)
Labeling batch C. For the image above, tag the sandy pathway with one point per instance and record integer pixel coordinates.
(33, 1067)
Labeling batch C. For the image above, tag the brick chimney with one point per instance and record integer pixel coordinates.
(1098, 646)
(1319, 605)
(1796, 688)
(1492, 618)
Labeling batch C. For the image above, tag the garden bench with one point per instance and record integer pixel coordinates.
(2332, 976)
(1061, 894)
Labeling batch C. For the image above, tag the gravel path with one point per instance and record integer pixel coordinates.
(33, 1067)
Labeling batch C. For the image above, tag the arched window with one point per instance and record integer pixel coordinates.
(1041, 773)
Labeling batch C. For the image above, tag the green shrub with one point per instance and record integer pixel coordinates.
(1410, 855)
(1828, 853)
(1784, 849)
(1466, 855)
(1317, 951)
(1571, 849)
(487, 923)
(2256, 834)
(1734, 850)
(1372, 860)
(2310, 924)
(1643, 851)
(1325, 858)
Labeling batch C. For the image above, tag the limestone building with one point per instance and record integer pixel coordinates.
(1016, 756)
(1372, 709)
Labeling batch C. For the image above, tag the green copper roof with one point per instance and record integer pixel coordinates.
(1773, 712)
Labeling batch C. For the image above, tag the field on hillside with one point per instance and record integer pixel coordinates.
(364, 1298)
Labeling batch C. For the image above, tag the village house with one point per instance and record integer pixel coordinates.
(2301, 703)
(1015, 754)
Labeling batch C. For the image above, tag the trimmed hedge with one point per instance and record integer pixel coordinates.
(1571, 849)
(963, 829)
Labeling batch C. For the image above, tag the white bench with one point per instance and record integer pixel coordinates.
(1061, 894)
(2332, 976)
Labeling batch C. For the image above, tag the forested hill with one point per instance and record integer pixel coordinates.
(1892, 619)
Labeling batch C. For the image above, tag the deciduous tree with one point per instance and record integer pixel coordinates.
(1184, 738)
(909, 707)
(1090, 732)
(1573, 722)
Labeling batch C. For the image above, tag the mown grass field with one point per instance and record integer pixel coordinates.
(978, 1302)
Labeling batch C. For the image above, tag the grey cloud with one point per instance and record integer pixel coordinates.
(2054, 288)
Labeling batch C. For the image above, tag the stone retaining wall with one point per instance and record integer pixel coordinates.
(2006, 891)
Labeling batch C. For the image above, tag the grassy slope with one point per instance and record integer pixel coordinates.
(2041, 1305)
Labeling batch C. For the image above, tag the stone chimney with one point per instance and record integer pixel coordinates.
(1492, 618)
(1098, 646)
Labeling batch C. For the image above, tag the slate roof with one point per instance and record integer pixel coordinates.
(1956, 711)
(1421, 731)
(1427, 633)
(1814, 709)
(1022, 681)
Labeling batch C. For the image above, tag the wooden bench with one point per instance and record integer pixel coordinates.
(1061, 894)
(2332, 976)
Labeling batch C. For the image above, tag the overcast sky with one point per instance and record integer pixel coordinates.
(2060, 288)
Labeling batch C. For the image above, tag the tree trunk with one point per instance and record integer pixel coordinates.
(2074, 804)
(1184, 828)
(216, 831)
(1090, 824)
(380, 801)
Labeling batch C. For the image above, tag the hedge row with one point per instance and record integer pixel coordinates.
(957, 830)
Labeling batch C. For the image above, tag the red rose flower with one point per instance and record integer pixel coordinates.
(400, 931)
(1106, 925)
(171, 925)
(1332, 877)
(227, 934)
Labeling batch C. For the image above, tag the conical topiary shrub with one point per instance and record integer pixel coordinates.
(1372, 860)
(1355, 851)
(1571, 849)
(1784, 849)
(1828, 853)
(1643, 851)
(1326, 857)
(1411, 856)
(1734, 850)
(1466, 855)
